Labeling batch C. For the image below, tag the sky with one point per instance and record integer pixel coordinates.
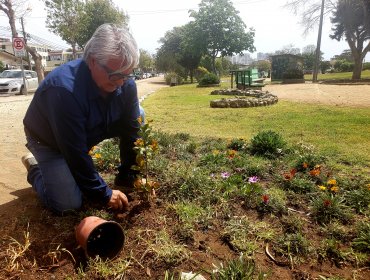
(275, 26)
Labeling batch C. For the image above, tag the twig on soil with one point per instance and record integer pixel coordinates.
(279, 263)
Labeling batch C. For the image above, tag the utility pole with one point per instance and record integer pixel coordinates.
(25, 43)
(318, 52)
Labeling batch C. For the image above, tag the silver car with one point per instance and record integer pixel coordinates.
(11, 82)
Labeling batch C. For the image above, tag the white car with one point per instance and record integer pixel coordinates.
(11, 81)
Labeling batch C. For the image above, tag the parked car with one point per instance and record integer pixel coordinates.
(11, 81)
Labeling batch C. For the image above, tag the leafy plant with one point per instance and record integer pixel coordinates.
(145, 148)
(272, 201)
(237, 269)
(209, 79)
(327, 207)
(330, 249)
(362, 241)
(359, 199)
(268, 144)
(106, 155)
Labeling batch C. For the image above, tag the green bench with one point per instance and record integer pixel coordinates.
(246, 79)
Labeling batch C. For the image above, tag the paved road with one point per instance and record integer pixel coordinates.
(12, 140)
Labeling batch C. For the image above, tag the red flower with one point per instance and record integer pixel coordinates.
(265, 198)
(327, 202)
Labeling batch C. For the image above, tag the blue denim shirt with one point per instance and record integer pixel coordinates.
(68, 114)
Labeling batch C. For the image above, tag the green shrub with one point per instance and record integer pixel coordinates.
(209, 79)
(200, 72)
(267, 144)
(366, 66)
(171, 75)
(293, 74)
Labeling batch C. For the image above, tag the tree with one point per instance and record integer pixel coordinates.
(289, 49)
(63, 19)
(349, 19)
(90, 21)
(309, 11)
(146, 61)
(9, 7)
(309, 56)
(221, 29)
(180, 51)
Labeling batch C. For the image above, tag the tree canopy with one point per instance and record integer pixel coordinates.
(63, 19)
(76, 20)
(222, 30)
(350, 22)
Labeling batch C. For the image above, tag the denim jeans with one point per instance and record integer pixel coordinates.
(52, 179)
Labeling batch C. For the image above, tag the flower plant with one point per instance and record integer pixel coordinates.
(145, 147)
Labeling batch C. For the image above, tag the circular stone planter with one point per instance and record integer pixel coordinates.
(99, 237)
(243, 98)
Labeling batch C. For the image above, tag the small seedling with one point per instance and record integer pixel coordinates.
(145, 148)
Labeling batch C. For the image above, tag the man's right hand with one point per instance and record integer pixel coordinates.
(118, 200)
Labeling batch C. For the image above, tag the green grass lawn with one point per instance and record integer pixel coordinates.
(337, 76)
(340, 132)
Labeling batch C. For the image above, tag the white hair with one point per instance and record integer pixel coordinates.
(112, 42)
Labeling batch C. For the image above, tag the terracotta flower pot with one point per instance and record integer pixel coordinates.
(99, 237)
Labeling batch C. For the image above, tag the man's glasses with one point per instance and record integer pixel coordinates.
(116, 75)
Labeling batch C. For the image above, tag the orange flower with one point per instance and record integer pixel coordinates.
(290, 175)
(305, 165)
(315, 172)
(332, 182)
(231, 154)
(334, 189)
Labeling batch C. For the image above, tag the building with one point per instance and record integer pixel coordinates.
(7, 46)
(59, 57)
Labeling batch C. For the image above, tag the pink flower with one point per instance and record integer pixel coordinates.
(225, 175)
(253, 179)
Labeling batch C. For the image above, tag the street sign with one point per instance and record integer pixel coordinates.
(18, 46)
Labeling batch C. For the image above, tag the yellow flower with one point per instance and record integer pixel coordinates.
(154, 145)
(368, 186)
(139, 142)
(323, 188)
(93, 149)
(139, 120)
(97, 156)
(215, 152)
(334, 189)
(332, 182)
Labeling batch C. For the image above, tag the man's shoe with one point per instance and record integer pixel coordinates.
(29, 161)
(125, 182)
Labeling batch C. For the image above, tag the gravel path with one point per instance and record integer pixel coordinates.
(13, 108)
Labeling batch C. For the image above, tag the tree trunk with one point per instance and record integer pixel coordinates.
(38, 65)
(357, 68)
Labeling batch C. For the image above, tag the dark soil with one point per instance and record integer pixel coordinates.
(208, 248)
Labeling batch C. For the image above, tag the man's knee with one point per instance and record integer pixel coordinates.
(65, 207)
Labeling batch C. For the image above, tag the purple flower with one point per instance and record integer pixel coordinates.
(253, 179)
(225, 175)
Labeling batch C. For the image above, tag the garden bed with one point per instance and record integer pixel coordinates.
(219, 202)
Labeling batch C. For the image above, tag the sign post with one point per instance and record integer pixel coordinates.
(19, 51)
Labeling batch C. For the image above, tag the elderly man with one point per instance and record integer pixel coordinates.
(78, 105)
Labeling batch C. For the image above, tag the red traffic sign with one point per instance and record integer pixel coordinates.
(18, 43)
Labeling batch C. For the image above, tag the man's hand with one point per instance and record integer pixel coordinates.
(118, 200)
